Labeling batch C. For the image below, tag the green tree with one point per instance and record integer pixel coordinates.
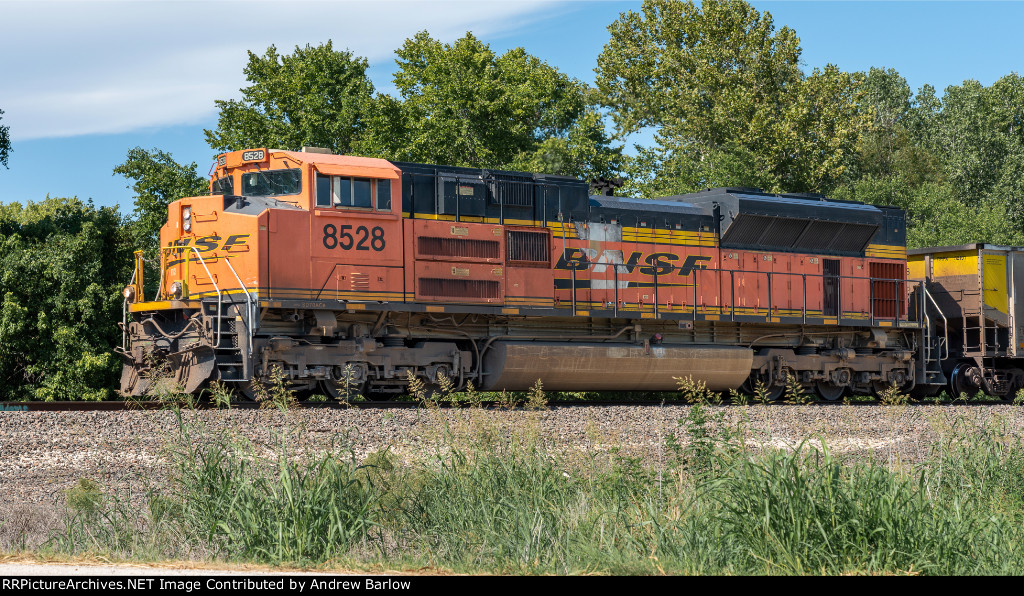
(5, 142)
(315, 96)
(63, 264)
(980, 137)
(729, 103)
(157, 181)
(888, 94)
(461, 104)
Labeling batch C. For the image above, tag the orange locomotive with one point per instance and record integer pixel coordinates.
(346, 272)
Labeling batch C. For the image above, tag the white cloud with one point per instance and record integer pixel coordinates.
(80, 67)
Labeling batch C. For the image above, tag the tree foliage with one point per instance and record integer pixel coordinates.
(954, 163)
(5, 142)
(315, 96)
(158, 181)
(980, 138)
(461, 104)
(62, 266)
(729, 103)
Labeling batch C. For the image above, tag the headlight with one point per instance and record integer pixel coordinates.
(186, 219)
(176, 290)
(129, 293)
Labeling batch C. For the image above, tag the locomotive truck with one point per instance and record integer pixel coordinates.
(335, 271)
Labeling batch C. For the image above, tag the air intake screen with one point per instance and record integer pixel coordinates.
(798, 235)
(459, 248)
(459, 288)
(528, 249)
(512, 191)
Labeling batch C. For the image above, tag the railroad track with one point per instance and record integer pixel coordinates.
(108, 406)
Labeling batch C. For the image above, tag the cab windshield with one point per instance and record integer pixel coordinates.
(272, 183)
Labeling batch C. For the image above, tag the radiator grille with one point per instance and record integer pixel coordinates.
(887, 296)
(798, 234)
(463, 248)
(459, 288)
(528, 248)
(825, 232)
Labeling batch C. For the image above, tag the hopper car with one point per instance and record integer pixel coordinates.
(335, 272)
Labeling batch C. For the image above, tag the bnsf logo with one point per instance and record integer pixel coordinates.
(660, 262)
(205, 244)
(259, 155)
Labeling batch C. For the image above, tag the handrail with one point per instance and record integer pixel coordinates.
(945, 321)
(185, 292)
(124, 313)
(250, 314)
(899, 302)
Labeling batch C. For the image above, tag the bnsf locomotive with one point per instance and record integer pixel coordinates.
(339, 271)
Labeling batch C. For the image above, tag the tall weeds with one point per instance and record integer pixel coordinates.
(495, 497)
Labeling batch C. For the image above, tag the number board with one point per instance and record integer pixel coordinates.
(254, 155)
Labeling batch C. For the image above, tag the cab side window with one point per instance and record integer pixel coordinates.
(223, 186)
(323, 191)
(384, 195)
(343, 192)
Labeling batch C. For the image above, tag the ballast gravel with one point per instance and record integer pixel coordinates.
(42, 454)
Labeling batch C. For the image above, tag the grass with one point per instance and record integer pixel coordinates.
(496, 496)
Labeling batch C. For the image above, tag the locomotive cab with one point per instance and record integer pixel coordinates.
(274, 221)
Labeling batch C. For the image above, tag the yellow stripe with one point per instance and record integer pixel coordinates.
(214, 293)
(882, 251)
(161, 305)
(476, 219)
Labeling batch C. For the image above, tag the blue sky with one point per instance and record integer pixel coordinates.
(82, 81)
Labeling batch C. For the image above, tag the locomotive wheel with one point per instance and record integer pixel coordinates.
(878, 388)
(749, 388)
(829, 391)
(923, 391)
(378, 395)
(305, 392)
(247, 391)
(244, 390)
(774, 392)
(336, 390)
(965, 379)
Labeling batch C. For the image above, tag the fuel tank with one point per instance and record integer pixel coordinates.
(571, 366)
